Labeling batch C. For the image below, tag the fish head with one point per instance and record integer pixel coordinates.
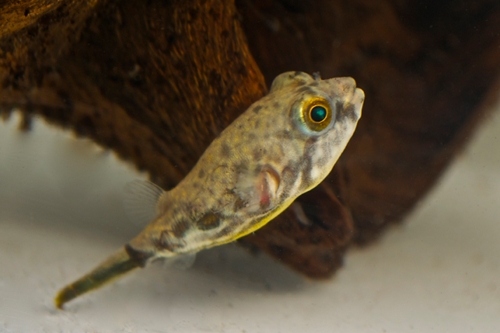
(321, 116)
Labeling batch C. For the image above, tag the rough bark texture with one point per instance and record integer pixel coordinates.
(156, 81)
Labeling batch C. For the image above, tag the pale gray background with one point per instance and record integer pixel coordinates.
(61, 214)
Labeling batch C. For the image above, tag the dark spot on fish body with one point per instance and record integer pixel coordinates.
(276, 105)
(239, 204)
(289, 172)
(225, 150)
(166, 242)
(215, 175)
(201, 173)
(252, 136)
(257, 109)
(276, 157)
(269, 126)
(180, 227)
(241, 167)
(220, 201)
(224, 232)
(306, 180)
(309, 143)
(306, 162)
(257, 154)
(321, 162)
(349, 112)
(138, 257)
(284, 134)
(309, 147)
(305, 89)
(288, 176)
(208, 221)
(326, 154)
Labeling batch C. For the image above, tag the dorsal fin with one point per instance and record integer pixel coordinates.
(140, 199)
(290, 79)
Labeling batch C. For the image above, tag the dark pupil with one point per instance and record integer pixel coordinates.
(318, 114)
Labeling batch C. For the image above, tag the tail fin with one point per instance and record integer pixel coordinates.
(115, 266)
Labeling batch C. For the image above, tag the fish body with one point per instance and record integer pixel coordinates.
(285, 144)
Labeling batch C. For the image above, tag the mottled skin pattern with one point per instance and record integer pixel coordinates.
(258, 165)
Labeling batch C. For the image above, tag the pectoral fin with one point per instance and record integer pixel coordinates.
(140, 201)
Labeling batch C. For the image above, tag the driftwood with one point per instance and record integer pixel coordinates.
(156, 81)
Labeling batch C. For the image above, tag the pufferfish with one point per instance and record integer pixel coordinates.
(285, 144)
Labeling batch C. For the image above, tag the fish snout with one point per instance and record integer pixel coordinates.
(350, 96)
(357, 100)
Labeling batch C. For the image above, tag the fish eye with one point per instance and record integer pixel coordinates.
(317, 114)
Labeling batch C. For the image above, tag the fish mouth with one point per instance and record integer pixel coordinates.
(352, 99)
(357, 100)
(352, 96)
(357, 96)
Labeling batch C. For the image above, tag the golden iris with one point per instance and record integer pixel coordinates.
(317, 114)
